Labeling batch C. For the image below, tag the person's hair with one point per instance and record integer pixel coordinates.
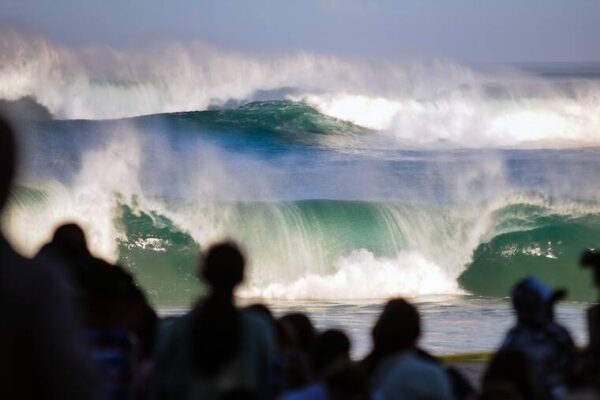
(71, 239)
(348, 381)
(508, 370)
(303, 330)
(223, 266)
(329, 347)
(8, 159)
(216, 322)
(396, 330)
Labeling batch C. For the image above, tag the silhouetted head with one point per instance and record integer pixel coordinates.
(303, 330)
(533, 301)
(508, 375)
(398, 327)
(223, 267)
(348, 381)
(329, 348)
(8, 159)
(590, 258)
(70, 239)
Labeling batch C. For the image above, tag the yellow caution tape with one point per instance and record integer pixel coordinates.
(467, 357)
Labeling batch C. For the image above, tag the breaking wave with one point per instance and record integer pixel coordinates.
(418, 104)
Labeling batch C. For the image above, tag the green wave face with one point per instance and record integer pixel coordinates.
(289, 241)
(550, 251)
(321, 244)
(284, 119)
(162, 257)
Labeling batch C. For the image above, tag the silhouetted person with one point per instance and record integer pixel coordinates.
(120, 328)
(461, 387)
(215, 348)
(546, 344)
(41, 351)
(303, 329)
(329, 349)
(395, 368)
(68, 246)
(349, 381)
(296, 364)
(68, 254)
(588, 369)
(591, 259)
(508, 376)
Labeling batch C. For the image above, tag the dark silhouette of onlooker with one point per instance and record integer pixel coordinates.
(118, 323)
(296, 363)
(216, 349)
(461, 387)
(349, 381)
(303, 330)
(396, 370)
(587, 372)
(120, 328)
(508, 375)
(41, 351)
(329, 349)
(546, 344)
(67, 252)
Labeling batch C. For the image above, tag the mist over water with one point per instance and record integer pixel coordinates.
(413, 104)
(342, 179)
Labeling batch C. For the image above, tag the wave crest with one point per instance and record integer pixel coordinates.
(418, 104)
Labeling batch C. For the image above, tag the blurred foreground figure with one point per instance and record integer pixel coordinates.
(296, 359)
(591, 259)
(41, 351)
(216, 351)
(397, 370)
(588, 369)
(508, 376)
(547, 345)
(118, 323)
(329, 349)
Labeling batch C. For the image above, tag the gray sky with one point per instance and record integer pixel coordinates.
(465, 30)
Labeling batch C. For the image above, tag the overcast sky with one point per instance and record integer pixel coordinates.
(465, 30)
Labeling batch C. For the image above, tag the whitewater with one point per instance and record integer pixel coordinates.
(346, 181)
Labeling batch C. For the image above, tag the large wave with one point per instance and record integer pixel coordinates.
(315, 179)
(335, 249)
(299, 249)
(418, 104)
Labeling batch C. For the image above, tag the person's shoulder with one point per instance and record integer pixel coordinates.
(21, 274)
(419, 375)
(315, 391)
(411, 365)
(255, 321)
(175, 326)
(258, 331)
(414, 361)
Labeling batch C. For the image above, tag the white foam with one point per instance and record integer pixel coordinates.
(361, 275)
(109, 175)
(473, 119)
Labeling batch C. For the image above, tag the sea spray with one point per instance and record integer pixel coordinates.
(325, 209)
(415, 104)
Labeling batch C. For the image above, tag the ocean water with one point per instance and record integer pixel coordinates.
(346, 183)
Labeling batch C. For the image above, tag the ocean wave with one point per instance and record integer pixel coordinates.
(330, 249)
(412, 104)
